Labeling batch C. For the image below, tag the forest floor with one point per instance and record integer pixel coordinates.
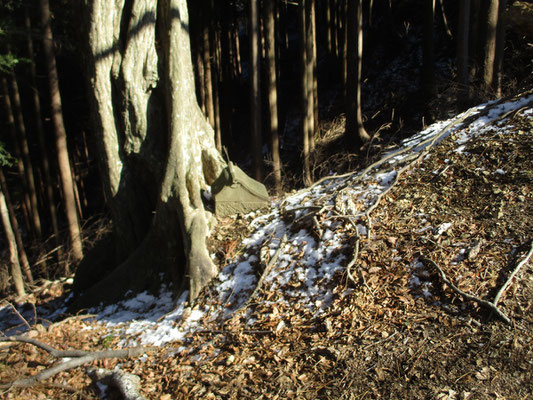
(335, 292)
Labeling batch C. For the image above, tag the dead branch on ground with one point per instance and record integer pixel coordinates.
(492, 306)
(76, 358)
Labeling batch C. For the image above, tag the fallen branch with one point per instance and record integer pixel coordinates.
(515, 271)
(487, 304)
(77, 358)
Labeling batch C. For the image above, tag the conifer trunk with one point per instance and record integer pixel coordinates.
(67, 184)
(16, 273)
(255, 91)
(272, 90)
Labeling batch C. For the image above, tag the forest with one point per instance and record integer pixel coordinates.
(120, 120)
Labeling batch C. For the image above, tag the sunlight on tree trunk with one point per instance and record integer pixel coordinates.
(355, 131)
(272, 91)
(157, 150)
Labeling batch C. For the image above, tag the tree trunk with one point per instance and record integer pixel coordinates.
(255, 91)
(490, 45)
(306, 92)
(25, 153)
(272, 90)
(208, 74)
(157, 150)
(23, 257)
(16, 152)
(45, 163)
(16, 273)
(462, 53)
(428, 53)
(355, 131)
(312, 72)
(500, 47)
(61, 134)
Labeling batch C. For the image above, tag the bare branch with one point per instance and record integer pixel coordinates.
(508, 282)
(481, 302)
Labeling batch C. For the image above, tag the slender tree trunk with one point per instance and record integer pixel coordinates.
(355, 131)
(45, 163)
(272, 90)
(306, 94)
(26, 159)
(208, 74)
(428, 54)
(16, 273)
(61, 134)
(462, 53)
(500, 47)
(490, 45)
(16, 152)
(15, 228)
(474, 39)
(312, 72)
(255, 91)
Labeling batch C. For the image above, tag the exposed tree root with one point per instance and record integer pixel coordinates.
(492, 306)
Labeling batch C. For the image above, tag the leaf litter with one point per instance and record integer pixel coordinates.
(458, 192)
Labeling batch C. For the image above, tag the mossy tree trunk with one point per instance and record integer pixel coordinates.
(157, 151)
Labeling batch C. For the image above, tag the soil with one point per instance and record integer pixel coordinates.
(398, 332)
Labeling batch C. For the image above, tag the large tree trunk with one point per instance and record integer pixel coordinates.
(157, 150)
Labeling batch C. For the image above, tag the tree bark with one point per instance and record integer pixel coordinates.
(157, 150)
(306, 90)
(16, 273)
(45, 163)
(500, 47)
(61, 134)
(16, 152)
(255, 92)
(490, 45)
(428, 53)
(272, 90)
(462, 53)
(25, 153)
(355, 131)
(23, 257)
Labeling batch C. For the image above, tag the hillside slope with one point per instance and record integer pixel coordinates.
(336, 293)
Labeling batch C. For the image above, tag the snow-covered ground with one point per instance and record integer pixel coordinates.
(310, 256)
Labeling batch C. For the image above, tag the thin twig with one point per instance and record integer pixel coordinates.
(19, 315)
(481, 302)
(266, 271)
(508, 282)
